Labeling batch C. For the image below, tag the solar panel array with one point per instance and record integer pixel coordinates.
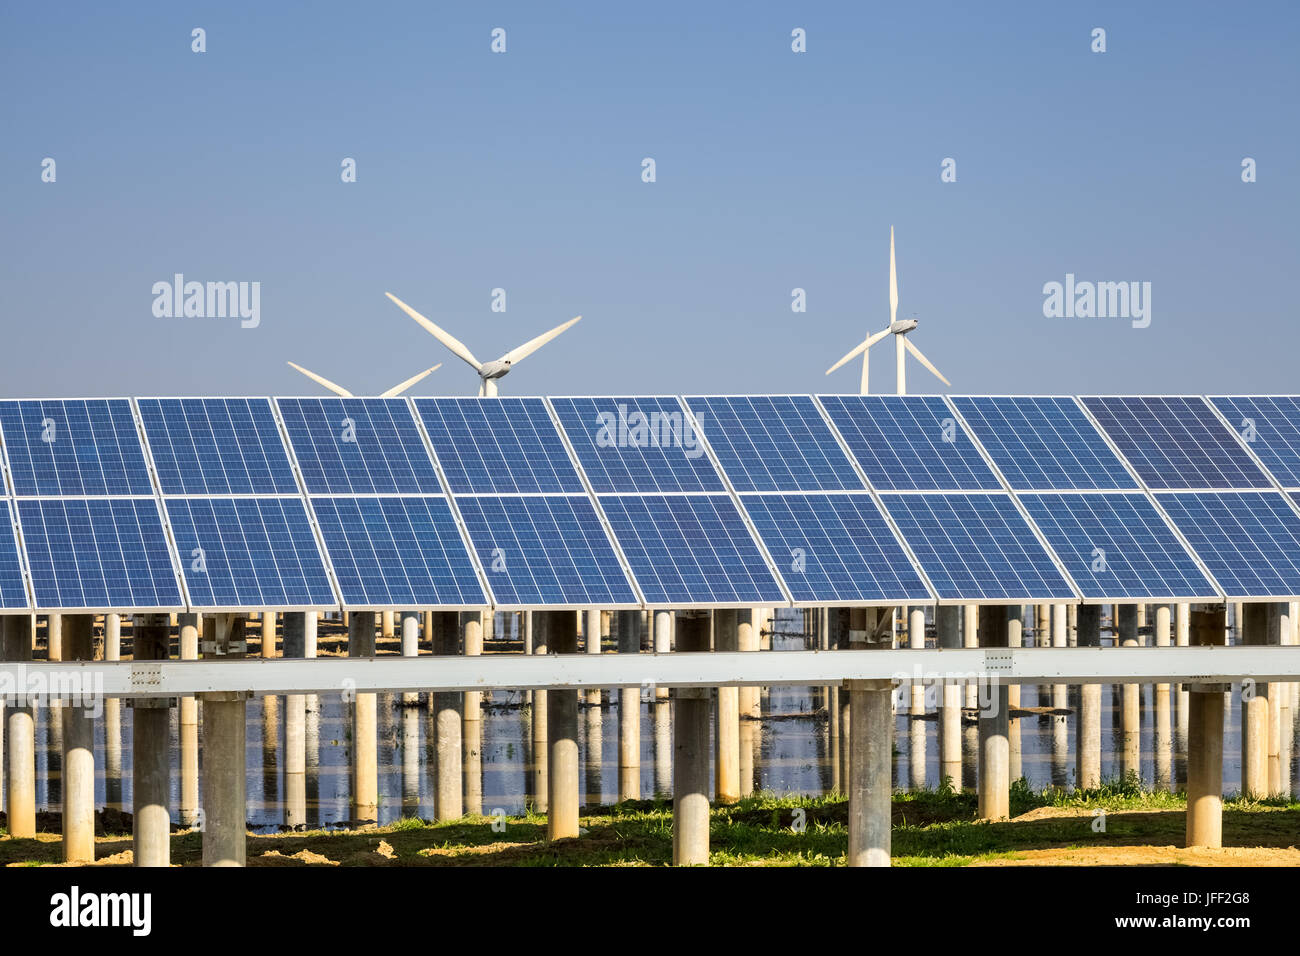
(707, 501)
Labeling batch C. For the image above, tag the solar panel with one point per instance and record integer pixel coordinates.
(691, 549)
(977, 548)
(249, 552)
(835, 547)
(1250, 541)
(399, 552)
(498, 446)
(542, 550)
(358, 446)
(1118, 546)
(74, 447)
(216, 446)
(98, 553)
(637, 444)
(774, 443)
(1270, 427)
(909, 443)
(1176, 442)
(1043, 443)
(13, 591)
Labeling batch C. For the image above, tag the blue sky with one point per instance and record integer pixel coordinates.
(522, 171)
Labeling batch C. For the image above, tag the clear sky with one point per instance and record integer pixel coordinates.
(775, 170)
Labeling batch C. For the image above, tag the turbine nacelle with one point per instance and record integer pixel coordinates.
(903, 326)
(494, 369)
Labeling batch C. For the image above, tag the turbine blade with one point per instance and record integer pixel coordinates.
(321, 380)
(457, 347)
(871, 340)
(893, 281)
(924, 361)
(399, 389)
(531, 346)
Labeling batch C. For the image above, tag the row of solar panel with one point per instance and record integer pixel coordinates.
(662, 472)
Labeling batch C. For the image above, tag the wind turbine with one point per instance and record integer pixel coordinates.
(899, 330)
(488, 372)
(340, 390)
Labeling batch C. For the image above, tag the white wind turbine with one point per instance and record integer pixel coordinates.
(488, 372)
(397, 389)
(898, 329)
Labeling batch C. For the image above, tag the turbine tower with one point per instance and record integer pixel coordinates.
(902, 344)
(340, 390)
(488, 372)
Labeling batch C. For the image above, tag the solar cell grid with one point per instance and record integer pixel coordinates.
(249, 553)
(1176, 442)
(1270, 427)
(1042, 443)
(835, 547)
(909, 443)
(13, 591)
(217, 446)
(498, 446)
(976, 547)
(358, 446)
(644, 444)
(693, 550)
(545, 550)
(1118, 546)
(74, 447)
(98, 553)
(774, 443)
(400, 552)
(1250, 541)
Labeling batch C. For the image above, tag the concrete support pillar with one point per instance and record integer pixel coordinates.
(1015, 638)
(539, 776)
(1087, 775)
(448, 774)
(947, 621)
(20, 735)
(386, 629)
(150, 743)
(472, 706)
(726, 764)
(113, 637)
(916, 705)
(54, 637)
(871, 735)
(691, 751)
(1182, 625)
(365, 730)
(591, 643)
(994, 780)
(970, 638)
(1205, 739)
(562, 733)
(747, 704)
(664, 641)
(1162, 630)
(629, 713)
(268, 622)
(841, 638)
(1254, 623)
(224, 814)
(296, 626)
(1126, 621)
(78, 751)
(188, 628)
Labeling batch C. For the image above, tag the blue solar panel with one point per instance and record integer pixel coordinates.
(691, 549)
(1043, 443)
(1118, 546)
(13, 592)
(1250, 541)
(1176, 442)
(358, 446)
(1270, 427)
(977, 547)
(98, 553)
(216, 446)
(87, 447)
(545, 550)
(909, 443)
(249, 552)
(637, 444)
(403, 552)
(774, 443)
(835, 547)
(498, 446)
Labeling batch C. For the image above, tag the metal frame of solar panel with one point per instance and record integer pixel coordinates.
(72, 503)
(1273, 425)
(491, 473)
(658, 483)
